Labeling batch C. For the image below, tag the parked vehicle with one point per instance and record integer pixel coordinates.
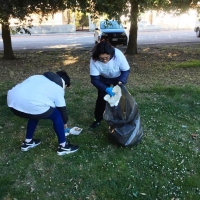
(111, 31)
(197, 27)
(197, 30)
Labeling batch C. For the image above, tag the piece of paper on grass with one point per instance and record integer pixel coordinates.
(75, 130)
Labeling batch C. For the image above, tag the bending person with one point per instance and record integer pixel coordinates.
(42, 97)
(108, 66)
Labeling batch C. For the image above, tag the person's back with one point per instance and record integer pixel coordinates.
(42, 97)
(35, 95)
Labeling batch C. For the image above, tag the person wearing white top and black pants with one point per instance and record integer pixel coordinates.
(42, 97)
(108, 66)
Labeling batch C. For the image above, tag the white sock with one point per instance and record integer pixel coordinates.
(28, 140)
(63, 144)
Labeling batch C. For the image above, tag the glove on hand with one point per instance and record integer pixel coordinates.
(109, 91)
(67, 130)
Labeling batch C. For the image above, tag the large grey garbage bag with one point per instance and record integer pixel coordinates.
(124, 120)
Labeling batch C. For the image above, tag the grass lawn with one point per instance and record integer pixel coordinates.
(164, 80)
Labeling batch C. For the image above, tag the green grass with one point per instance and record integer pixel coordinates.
(190, 63)
(164, 165)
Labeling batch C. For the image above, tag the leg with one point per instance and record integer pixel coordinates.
(29, 142)
(54, 115)
(99, 109)
(100, 106)
(58, 125)
(32, 120)
(31, 126)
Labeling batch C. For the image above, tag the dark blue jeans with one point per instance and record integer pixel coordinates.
(53, 114)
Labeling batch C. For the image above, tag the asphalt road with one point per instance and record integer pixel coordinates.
(85, 39)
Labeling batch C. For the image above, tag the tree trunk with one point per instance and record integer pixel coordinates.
(7, 44)
(132, 43)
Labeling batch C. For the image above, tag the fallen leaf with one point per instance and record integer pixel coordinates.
(129, 187)
(194, 136)
(181, 162)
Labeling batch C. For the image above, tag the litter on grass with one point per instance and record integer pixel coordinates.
(75, 130)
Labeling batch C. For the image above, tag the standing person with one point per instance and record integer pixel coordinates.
(108, 66)
(42, 97)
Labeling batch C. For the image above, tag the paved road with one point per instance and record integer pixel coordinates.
(85, 39)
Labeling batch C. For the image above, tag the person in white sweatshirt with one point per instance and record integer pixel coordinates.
(42, 97)
(108, 67)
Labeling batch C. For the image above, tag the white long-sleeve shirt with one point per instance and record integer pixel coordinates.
(36, 95)
(111, 69)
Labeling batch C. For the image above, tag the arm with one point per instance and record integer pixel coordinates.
(95, 80)
(63, 112)
(95, 76)
(124, 67)
(124, 76)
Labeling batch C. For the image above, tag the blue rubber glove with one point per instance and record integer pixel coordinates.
(109, 91)
(67, 131)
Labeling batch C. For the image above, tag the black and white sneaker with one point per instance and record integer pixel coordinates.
(94, 124)
(29, 145)
(69, 148)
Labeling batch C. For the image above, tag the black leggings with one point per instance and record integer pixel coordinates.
(100, 105)
(31, 116)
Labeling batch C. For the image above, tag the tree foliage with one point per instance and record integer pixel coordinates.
(84, 21)
(21, 10)
(133, 8)
(81, 19)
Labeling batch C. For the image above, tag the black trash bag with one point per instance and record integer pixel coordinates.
(124, 120)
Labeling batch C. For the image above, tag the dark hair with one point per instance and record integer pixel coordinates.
(63, 74)
(103, 47)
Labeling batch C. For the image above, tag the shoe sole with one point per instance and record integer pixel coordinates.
(65, 152)
(30, 147)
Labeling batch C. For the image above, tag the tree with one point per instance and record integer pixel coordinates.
(81, 19)
(84, 21)
(21, 10)
(133, 8)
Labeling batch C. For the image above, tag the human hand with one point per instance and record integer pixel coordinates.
(119, 83)
(109, 91)
(67, 130)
